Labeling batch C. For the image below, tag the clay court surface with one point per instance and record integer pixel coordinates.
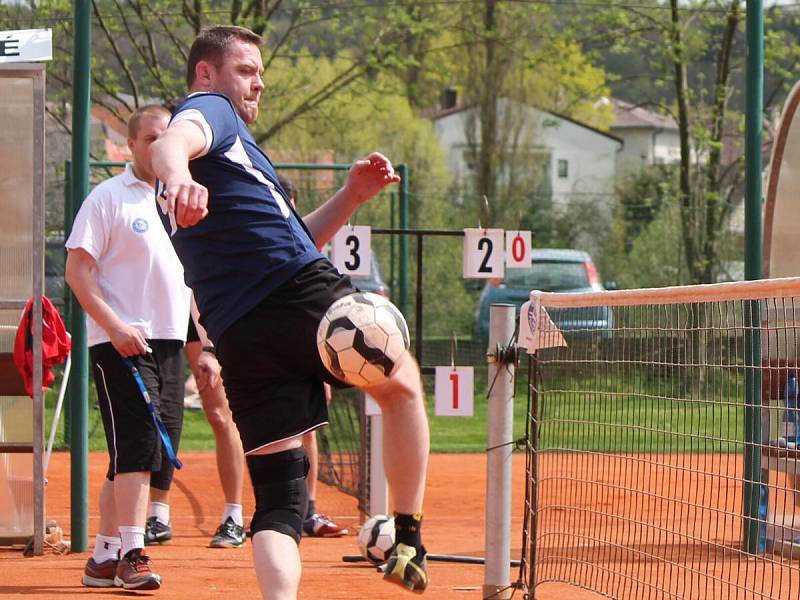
(454, 525)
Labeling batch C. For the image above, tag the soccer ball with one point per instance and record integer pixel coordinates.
(362, 338)
(376, 539)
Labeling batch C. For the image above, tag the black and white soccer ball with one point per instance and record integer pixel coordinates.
(376, 539)
(362, 338)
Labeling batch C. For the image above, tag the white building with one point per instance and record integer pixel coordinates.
(576, 160)
(649, 138)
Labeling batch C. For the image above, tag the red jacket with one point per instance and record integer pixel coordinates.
(56, 343)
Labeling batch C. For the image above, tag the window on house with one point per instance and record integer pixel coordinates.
(563, 168)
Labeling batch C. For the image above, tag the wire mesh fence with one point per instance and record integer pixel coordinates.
(662, 458)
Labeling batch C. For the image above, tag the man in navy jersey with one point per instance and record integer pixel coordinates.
(262, 287)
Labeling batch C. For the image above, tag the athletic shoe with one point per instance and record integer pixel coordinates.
(228, 535)
(321, 526)
(155, 532)
(134, 572)
(406, 568)
(99, 575)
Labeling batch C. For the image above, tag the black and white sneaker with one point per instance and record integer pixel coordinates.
(228, 535)
(155, 532)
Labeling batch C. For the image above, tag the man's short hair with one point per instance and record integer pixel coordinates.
(212, 43)
(149, 110)
(288, 187)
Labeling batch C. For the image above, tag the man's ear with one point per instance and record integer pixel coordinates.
(203, 71)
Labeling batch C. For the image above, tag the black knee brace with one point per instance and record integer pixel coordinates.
(279, 485)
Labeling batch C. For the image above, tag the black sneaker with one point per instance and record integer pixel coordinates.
(155, 532)
(406, 568)
(228, 535)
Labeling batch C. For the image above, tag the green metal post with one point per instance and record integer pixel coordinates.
(79, 379)
(752, 267)
(392, 225)
(67, 297)
(404, 173)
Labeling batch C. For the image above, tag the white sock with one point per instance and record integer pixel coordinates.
(234, 511)
(160, 511)
(132, 538)
(106, 548)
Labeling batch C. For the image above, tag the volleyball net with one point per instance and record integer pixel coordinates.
(662, 456)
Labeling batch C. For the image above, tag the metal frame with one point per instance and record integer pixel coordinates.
(36, 72)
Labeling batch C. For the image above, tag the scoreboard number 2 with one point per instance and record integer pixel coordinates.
(483, 254)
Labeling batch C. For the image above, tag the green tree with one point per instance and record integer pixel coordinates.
(690, 54)
(515, 57)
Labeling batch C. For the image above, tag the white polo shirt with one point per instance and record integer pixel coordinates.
(138, 271)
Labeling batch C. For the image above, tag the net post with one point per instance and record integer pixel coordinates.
(378, 488)
(500, 415)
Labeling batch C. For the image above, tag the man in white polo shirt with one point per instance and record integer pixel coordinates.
(124, 272)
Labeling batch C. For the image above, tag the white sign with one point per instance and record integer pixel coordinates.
(26, 45)
(483, 254)
(371, 408)
(454, 391)
(351, 250)
(518, 249)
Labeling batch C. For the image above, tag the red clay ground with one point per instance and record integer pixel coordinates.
(453, 525)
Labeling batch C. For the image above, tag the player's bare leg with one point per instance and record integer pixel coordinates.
(101, 567)
(406, 445)
(406, 442)
(229, 453)
(131, 491)
(316, 524)
(276, 555)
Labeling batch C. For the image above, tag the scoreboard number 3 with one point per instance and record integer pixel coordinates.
(351, 250)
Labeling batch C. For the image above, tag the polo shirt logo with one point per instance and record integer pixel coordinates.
(140, 225)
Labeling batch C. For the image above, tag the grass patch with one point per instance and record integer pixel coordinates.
(605, 419)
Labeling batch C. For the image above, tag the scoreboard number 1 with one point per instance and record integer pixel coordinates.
(453, 390)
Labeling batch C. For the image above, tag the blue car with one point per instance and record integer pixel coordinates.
(552, 270)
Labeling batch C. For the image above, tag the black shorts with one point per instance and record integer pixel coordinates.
(270, 364)
(133, 441)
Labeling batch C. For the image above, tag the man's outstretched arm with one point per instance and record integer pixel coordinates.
(365, 179)
(171, 153)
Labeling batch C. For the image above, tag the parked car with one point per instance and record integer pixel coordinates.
(373, 282)
(552, 270)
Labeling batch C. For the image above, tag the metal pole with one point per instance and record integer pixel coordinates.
(392, 225)
(403, 171)
(500, 418)
(378, 488)
(38, 290)
(67, 297)
(752, 266)
(418, 303)
(79, 390)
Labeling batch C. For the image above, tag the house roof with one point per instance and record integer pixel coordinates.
(627, 115)
(436, 113)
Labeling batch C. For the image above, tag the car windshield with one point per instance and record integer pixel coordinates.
(549, 276)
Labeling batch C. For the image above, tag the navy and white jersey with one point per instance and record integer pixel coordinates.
(252, 240)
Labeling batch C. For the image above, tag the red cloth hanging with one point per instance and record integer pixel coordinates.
(56, 343)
